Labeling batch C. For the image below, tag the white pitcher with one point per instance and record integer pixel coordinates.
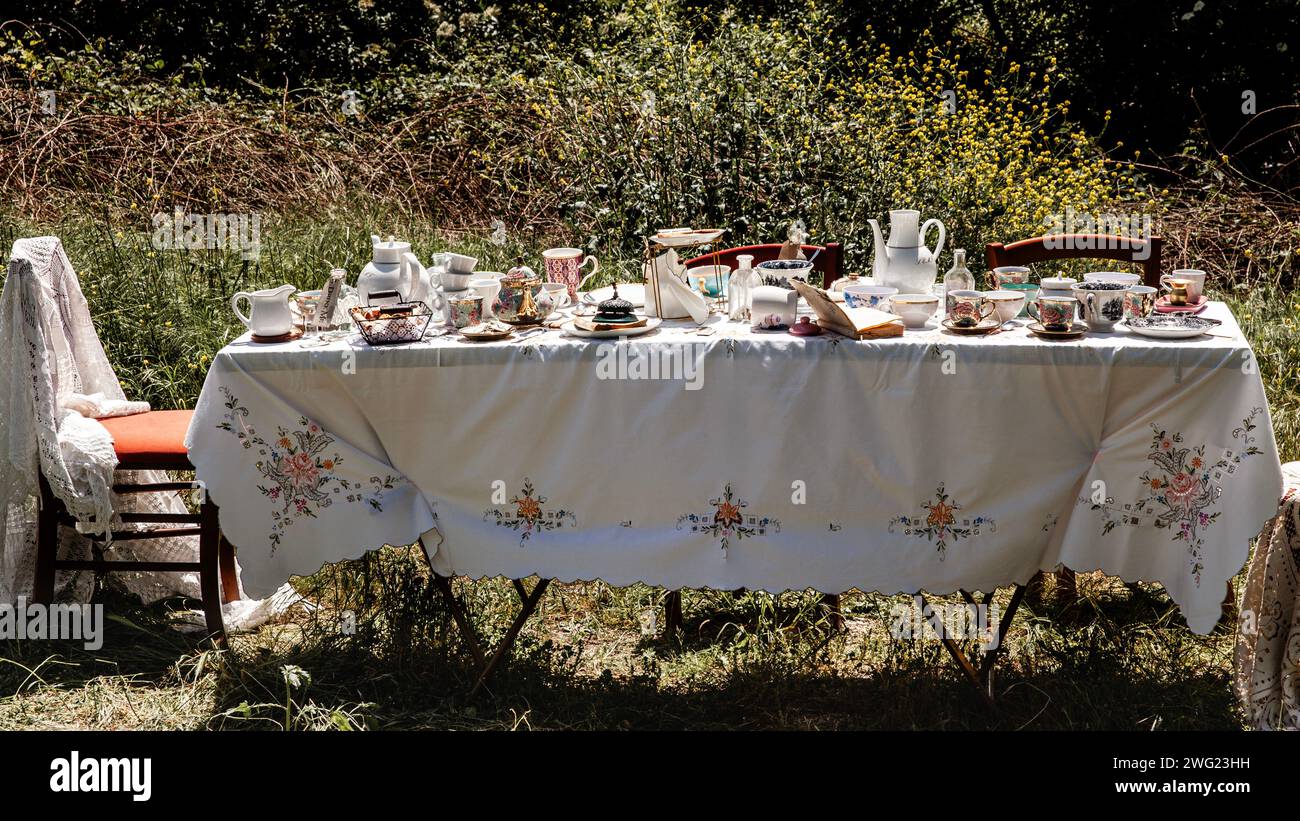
(904, 262)
(269, 313)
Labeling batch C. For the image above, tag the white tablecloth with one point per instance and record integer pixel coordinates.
(932, 461)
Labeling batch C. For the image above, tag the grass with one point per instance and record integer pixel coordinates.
(594, 657)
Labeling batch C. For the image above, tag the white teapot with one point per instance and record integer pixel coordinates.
(269, 313)
(386, 271)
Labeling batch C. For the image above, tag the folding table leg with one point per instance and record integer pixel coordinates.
(529, 605)
(982, 678)
(673, 611)
(462, 621)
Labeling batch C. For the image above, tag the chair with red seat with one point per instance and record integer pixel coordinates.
(153, 441)
(54, 380)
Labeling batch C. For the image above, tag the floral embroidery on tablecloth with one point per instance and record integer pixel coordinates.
(530, 515)
(728, 520)
(302, 476)
(939, 523)
(1179, 494)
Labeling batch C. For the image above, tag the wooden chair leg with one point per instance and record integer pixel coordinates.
(229, 574)
(210, 573)
(47, 545)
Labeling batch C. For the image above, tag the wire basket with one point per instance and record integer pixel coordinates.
(391, 330)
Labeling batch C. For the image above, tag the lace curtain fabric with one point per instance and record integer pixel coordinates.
(1268, 645)
(52, 364)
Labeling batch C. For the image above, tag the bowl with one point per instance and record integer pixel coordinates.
(915, 309)
(710, 280)
(1113, 276)
(1030, 292)
(1007, 274)
(868, 296)
(780, 271)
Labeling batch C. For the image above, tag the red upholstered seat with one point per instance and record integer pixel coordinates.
(155, 439)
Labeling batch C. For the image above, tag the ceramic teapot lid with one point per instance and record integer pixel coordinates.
(521, 276)
(805, 328)
(390, 250)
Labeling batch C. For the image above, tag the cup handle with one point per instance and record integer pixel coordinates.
(1164, 281)
(1031, 308)
(234, 306)
(992, 307)
(595, 267)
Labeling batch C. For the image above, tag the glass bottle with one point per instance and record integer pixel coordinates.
(740, 288)
(958, 278)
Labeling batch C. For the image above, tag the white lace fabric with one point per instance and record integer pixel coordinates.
(52, 371)
(1267, 677)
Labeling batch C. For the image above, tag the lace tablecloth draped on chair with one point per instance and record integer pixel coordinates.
(1268, 644)
(52, 364)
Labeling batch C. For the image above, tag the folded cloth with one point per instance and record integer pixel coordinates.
(97, 406)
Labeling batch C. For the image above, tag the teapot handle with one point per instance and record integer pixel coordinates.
(234, 306)
(943, 234)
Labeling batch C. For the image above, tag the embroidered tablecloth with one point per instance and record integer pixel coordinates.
(749, 459)
(1268, 644)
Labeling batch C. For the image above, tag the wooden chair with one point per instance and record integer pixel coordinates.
(1145, 253)
(145, 442)
(829, 262)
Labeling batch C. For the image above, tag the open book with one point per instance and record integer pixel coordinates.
(855, 323)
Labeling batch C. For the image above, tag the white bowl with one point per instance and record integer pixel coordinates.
(868, 296)
(915, 309)
(710, 280)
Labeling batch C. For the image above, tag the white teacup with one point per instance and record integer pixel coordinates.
(1008, 304)
(915, 309)
(461, 264)
(1195, 282)
(487, 287)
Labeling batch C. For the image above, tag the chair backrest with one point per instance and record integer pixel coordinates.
(830, 262)
(1144, 252)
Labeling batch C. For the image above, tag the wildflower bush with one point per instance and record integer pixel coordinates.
(749, 125)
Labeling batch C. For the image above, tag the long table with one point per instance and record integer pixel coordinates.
(743, 459)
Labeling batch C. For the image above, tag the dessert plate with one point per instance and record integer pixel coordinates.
(1171, 326)
(633, 292)
(572, 330)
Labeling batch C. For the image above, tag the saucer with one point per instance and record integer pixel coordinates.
(485, 332)
(1076, 330)
(985, 326)
(296, 333)
(1163, 306)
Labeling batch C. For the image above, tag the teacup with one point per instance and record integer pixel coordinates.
(1005, 275)
(487, 287)
(459, 264)
(554, 293)
(1056, 313)
(1008, 303)
(1195, 282)
(915, 309)
(966, 309)
(1101, 304)
(1140, 300)
(868, 296)
(466, 310)
(1027, 289)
